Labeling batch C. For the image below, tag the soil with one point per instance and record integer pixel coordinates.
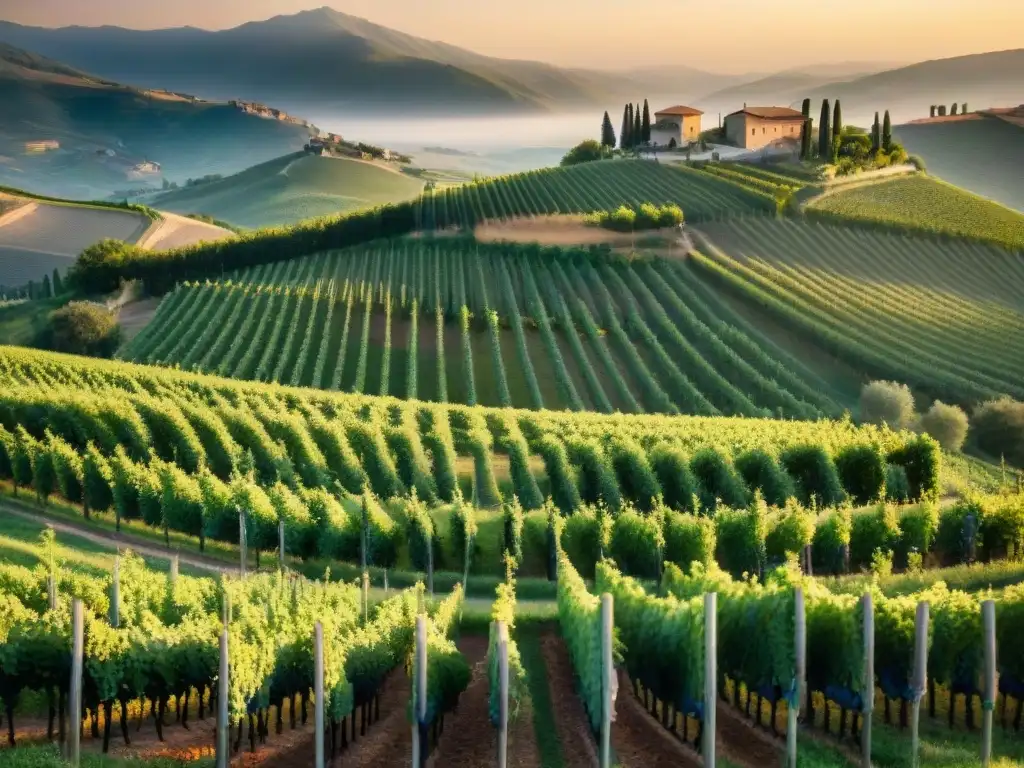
(388, 742)
(639, 741)
(571, 723)
(174, 231)
(570, 230)
(135, 316)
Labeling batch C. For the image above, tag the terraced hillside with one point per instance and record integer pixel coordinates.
(453, 320)
(924, 205)
(945, 317)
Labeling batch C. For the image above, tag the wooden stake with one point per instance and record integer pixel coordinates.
(280, 544)
(502, 630)
(242, 543)
(75, 699)
(920, 679)
(793, 704)
(174, 569)
(420, 689)
(366, 597)
(989, 692)
(223, 735)
(318, 692)
(868, 683)
(710, 677)
(608, 682)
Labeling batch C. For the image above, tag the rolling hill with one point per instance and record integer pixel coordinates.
(104, 129)
(320, 58)
(287, 189)
(982, 153)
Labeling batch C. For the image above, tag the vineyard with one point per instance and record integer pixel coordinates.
(451, 320)
(952, 329)
(920, 204)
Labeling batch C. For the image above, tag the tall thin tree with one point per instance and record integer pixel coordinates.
(627, 123)
(876, 134)
(887, 133)
(645, 125)
(808, 141)
(638, 128)
(806, 108)
(607, 132)
(825, 132)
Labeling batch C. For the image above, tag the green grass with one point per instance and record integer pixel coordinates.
(289, 189)
(21, 323)
(984, 156)
(925, 205)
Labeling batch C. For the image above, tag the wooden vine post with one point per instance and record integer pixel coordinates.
(243, 555)
(280, 544)
(223, 756)
(710, 676)
(867, 693)
(174, 569)
(989, 692)
(419, 732)
(366, 598)
(608, 683)
(920, 679)
(502, 633)
(75, 697)
(318, 692)
(799, 676)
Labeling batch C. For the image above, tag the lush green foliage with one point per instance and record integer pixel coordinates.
(82, 328)
(587, 152)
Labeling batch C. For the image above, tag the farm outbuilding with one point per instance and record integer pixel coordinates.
(675, 126)
(758, 127)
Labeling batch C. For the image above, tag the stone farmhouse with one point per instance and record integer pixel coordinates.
(675, 126)
(759, 127)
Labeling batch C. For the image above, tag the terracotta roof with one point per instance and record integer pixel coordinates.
(680, 110)
(771, 113)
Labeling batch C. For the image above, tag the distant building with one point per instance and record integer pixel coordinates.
(45, 145)
(676, 126)
(144, 168)
(758, 127)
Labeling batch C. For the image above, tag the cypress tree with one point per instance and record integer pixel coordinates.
(638, 128)
(806, 139)
(607, 132)
(645, 125)
(933, 111)
(876, 134)
(806, 108)
(887, 133)
(837, 130)
(31, 290)
(47, 291)
(953, 109)
(626, 125)
(58, 284)
(963, 109)
(825, 132)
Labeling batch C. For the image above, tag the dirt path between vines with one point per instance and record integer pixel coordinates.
(571, 723)
(469, 740)
(388, 742)
(116, 540)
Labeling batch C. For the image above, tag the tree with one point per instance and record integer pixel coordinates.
(933, 110)
(586, 152)
(947, 424)
(83, 328)
(31, 289)
(825, 131)
(627, 124)
(806, 108)
(607, 132)
(58, 284)
(876, 134)
(47, 291)
(942, 110)
(806, 142)
(953, 109)
(837, 129)
(887, 133)
(887, 402)
(638, 127)
(645, 125)
(963, 109)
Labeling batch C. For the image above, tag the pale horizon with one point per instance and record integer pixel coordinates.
(731, 38)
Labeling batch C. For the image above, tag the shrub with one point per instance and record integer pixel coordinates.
(637, 543)
(1002, 531)
(82, 328)
(717, 480)
(954, 541)
(761, 472)
(741, 538)
(873, 530)
(921, 459)
(688, 539)
(997, 427)
(815, 474)
(585, 536)
(897, 487)
(887, 402)
(790, 531)
(918, 526)
(831, 542)
(918, 162)
(633, 472)
(678, 485)
(947, 424)
(862, 472)
(586, 152)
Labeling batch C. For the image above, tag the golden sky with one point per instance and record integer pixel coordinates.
(723, 36)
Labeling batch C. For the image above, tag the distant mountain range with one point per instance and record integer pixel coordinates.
(70, 134)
